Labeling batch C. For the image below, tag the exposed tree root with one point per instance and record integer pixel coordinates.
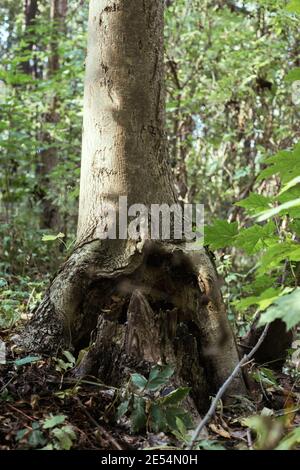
(138, 306)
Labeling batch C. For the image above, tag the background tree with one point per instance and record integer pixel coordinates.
(49, 153)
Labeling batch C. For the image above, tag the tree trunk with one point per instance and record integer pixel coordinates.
(49, 155)
(149, 302)
(30, 13)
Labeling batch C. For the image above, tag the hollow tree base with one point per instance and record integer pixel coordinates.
(136, 306)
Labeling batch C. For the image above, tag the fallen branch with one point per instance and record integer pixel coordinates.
(224, 387)
(104, 433)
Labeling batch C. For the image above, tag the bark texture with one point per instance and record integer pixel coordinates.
(134, 303)
(124, 145)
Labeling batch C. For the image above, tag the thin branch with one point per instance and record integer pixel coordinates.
(104, 433)
(224, 387)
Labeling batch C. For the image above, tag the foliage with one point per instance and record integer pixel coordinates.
(150, 404)
(51, 434)
(269, 433)
(273, 241)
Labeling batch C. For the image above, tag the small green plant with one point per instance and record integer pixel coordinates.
(150, 405)
(51, 434)
(61, 435)
(63, 365)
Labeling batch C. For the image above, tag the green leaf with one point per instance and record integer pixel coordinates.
(158, 420)
(254, 203)
(264, 300)
(50, 238)
(26, 360)
(276, 253)
(265, 376)
(290, 184)
(253, 239)
(122, 409)
(159, 376)
(286, 307)
(295, 227)
(54, 421)
(65, 437)
(138, 416)
(221, 234)
(285, 163)
(36, 439)
(174, 412)
(293, 75)
(267, 430)
(210, 445)
(176, 396)
(276, 210)
(290, 441)
(181, 427)
(293, 6)
(139, 380)
(69, 356)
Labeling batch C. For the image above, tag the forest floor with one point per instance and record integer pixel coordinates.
(42, 405)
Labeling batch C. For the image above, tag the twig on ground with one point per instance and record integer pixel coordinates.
(224, 387)
(21, 412)
(107, 436)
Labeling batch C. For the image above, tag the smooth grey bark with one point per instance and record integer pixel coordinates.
(124, 145)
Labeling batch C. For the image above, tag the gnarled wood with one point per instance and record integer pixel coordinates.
(134, 303)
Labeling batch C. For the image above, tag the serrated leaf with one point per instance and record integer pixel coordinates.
(286, 307)
(253, 239)
(275, 254)
(263, 301)
(65, 437)
(285, 163)
(36, 439)
(260, 284)
(54, 421)
(254, 203)
(221, 234)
